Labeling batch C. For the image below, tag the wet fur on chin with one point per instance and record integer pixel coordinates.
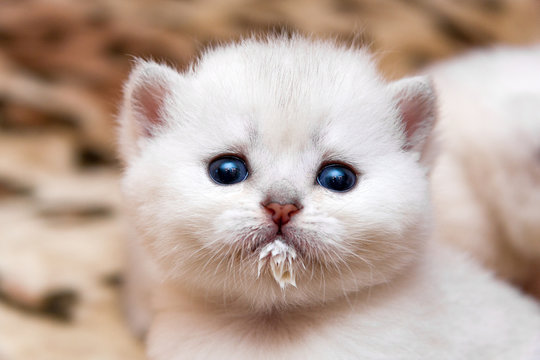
(287, 107)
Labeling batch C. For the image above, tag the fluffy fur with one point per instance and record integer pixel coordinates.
(486, 182)
(367, 283)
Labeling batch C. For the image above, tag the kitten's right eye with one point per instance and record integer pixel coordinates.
(228, 170)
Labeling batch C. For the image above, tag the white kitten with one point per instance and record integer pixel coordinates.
(486, 182)
(232, 179)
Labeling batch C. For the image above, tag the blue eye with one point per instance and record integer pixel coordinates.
(228, 170)
(336, 178)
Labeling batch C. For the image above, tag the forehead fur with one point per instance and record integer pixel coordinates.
(289, 93)
(289, 67)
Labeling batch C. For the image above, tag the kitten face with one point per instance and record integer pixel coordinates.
(287, 108)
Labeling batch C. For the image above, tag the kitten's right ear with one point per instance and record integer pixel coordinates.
(143, 114)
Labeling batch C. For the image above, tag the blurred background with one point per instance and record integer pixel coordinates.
(62, 64)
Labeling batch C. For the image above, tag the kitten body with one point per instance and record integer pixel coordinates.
(368, 283)
(486, 180)
(445, 308)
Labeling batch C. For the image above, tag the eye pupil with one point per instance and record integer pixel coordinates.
(228, 170)
(336, 178)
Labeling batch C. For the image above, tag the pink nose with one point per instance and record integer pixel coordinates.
(281, 214)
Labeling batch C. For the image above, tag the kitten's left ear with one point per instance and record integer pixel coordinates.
(147, 93)
(416, 101)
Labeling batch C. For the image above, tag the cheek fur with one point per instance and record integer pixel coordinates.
(242, 227)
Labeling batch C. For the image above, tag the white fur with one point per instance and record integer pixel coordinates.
(366, 285)
(486, 182)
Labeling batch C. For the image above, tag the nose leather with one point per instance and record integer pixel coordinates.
(281, 214)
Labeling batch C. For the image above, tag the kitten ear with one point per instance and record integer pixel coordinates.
(146, 93)
(416, 102)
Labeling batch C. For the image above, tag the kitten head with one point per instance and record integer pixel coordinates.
(291, 146)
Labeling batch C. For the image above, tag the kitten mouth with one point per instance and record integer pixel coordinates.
(278, 257)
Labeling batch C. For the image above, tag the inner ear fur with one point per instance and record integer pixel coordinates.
(417, 104)
(146, 92)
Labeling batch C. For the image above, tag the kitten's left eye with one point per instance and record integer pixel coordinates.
(228, 170)
(336, 177)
